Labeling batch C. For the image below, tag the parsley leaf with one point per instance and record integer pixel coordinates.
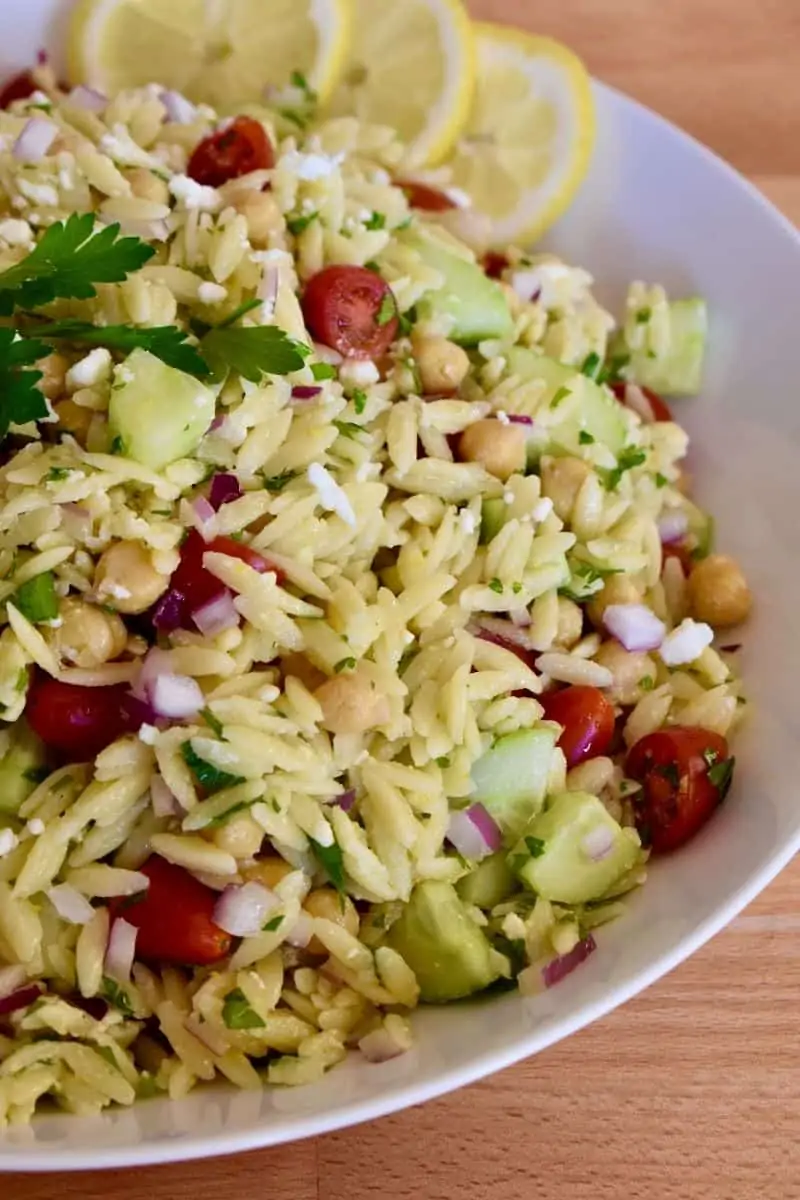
(243, 309)
(359, 401)
(296, 225)
(116, 995)
(331, 859)
(212, 722)
(376, 221)
(210, 778)
(591, 365)
(721, 775)
(254, 352)
(237, 1013)
(166, 342)
(387, 311)
(536, 846)
(273, 924)
(67, 263)
(345, 664)
(20, 399)
(349, 429)
(626, 461)
(37, 599)
(496, 586)
(407, 321)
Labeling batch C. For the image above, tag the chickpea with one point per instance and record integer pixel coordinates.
(499, 448)
(74, 419)
(570, 623)
(718, 592)
(146, 185)
(562, 479)
(54, 369)
(88, 636)
(268, 871)
(241, 837)
(443, 366)
(126, 578)
(351, 704)
(618, 589)
(325, 903)
(262, 213)
(629, 668)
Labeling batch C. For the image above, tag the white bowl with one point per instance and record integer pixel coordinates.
(657, 207)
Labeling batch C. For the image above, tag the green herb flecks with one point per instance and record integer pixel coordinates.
(210, 778)
(322, 371)
(535, 846)
(331, 859)
(721, 775)
(628, 459)
(273, 925)
(298, 225)
(276, 483)
(387, 311)
(116, 995)
(496, 586)
(376, 221)
(591, 365)
(348, 429)
(345, 664)
(237, 1013)
(560, 396)
(585, 438)
(359, 401)
(212, 722)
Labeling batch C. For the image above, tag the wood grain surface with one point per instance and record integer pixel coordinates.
(691, 1091)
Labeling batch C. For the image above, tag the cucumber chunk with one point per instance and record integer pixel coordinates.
(473, 305)
(447, 951)
(21, 768)
(575, 851)
(490, 883)
(157, 414)
(510, 780)
(679, 371)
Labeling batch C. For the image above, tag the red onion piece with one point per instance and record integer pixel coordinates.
(520, 419)
(306, 393)
(504, 633)
(301, 932)
(121, 950)
(20, 999)
(216, 616)
(379, 1046)
(598, 843)
(70, 904)
(11, 980)
(672, 525)
(169, 611)
(177, 697)
(528, 657)
(35, 140)
(224, 489)
(203, 517)
(473, 833)
(346, 801)
(179, 110)
(243, 910)
(87, 98)
(559, 968)
(635, 626)
(161, 798)
(76, 521)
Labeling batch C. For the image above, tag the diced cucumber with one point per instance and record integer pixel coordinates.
(561, 855)
(510, 780)
(490, 883)
(157, 414)
(493, 518)
(21, 768)
(473, 305)
(598, 413)
(679, 372)
(447, 951)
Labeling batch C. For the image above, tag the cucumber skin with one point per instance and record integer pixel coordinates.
(158, 413)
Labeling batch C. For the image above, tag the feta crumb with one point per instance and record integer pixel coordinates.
(357, 373)
(43, 194)
(542, 509)
(312, 167)
(94, 368)
(15, 232)
(503, 417)
(331, 496)
(408, 637)
(8, 841)
(686, 643)
(148, 734)
(467, 521)
(508, 497)
(211, 293)
(35, 826)
(194, 195)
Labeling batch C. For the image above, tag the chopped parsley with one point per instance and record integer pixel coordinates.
(647, 683)
(322, 371)
(585, 438)
(276, 483)
(376, 221)
(237, 1013)
(331, 859)
(407, 321)
(345, 664)
(661, 480)
(387, 311)
(273, 924)
(297, 225)
(560, 395)
(37, 599)
(116, 996)
(443, 762)
(359, 401)
(349, 429)
(721, 775)
(516, 588)
(57, 474)
(210, 778)
(496, 586)
(591, 365)
(612, 370)
(212, 722)
(628, 459)
(536, 846)
(671, 773)
(643, 316)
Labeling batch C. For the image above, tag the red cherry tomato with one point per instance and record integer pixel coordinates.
(175, 918)
(241, 148)
(425, 197)
(494, 264)
(194, 584)
(352, 310)
(19, 87)
(685, 773)
(588, 721)
(79, 722)
(661, 410)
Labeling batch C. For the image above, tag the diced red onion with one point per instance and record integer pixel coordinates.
(636, 400)
(121, 950)
(598, 843)
(242, 910)
(306, 393)
(634, 625)
(527, 284)
(473, 833)
(216, 616)
(179, 110)
(176, 696)
(161, 798)
(156, 662)
(224, 489)
(672, 525)
(20, 999)
(11, 980)
(507, 633)
(268, 289)
(560, 967)
(35, 140)
(169, 611)
(204, 518)
(217, 423)
(346, 801)
(70, 904)
(87, 98)
(520, 419)
(301, 932)
(211, 1038)
(379, 1046)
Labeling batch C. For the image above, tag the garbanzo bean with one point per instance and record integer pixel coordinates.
(352, 704)
(88, 636)
(267, 871)
(718, 592)
(499, 448)
(126, 578)
(562, 479)
(443, 366)
(241, 837)
(74, 419)
(262, 213)
(54, 369)
(326, 903)
(618, 589)
(634, 672)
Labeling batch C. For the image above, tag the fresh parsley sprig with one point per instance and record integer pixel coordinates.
(167, 342)
(20, 398)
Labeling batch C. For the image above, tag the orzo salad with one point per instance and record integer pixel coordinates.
(358, 626)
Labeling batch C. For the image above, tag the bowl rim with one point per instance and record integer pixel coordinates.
(36, 1159)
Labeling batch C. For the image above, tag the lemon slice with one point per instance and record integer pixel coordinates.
(223, 52)
(529, 140)
(411, 65)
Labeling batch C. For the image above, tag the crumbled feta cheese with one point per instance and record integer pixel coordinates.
(35, 826)
(331, 496)
(503, 417)
(43, 194)
(15, 232)
(467, 521)
(361, 374)
(120, 146)
(211, 293)
(148, 734)
(94, 368)
(311, 167)
(193, 195)
(508, 497)
(8, 841)
(686, 643)
(542, 509)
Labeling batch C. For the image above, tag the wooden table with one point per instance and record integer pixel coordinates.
(692, 1091)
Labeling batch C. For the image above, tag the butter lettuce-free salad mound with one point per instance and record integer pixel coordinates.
(357, 624)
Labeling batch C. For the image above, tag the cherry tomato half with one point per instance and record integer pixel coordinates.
(79, 722)
(192, 586)
(241, 148)
(19, 87)
(425, 197)
(175, 918)
(661, 410)
(588, 721)
(352, 310)
(685, 773)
